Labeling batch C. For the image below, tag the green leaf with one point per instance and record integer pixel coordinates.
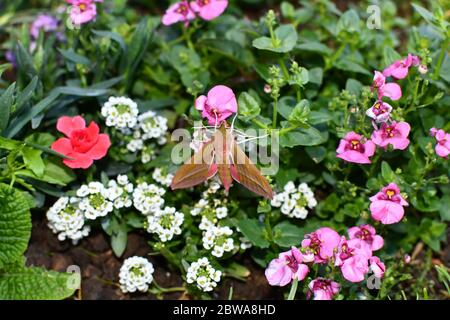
(4, 67)
(353, 86)
(287, 234)
(300, 78)
(348, 24)
(299, 116)
(302, 137)
(27, 93)
(286, 39)
(254, 231)
(317, 154)
(387, 173)
(113, 36)
(54, 173)
(119, 240)
(427, 15)
(15, 224)
(33, 161)
(230, 49)
(317, 117)
(351, 66)
(6, 102)
(72, 56)
(248, 106)
(313, 46)
(34, 283)
(390, 55)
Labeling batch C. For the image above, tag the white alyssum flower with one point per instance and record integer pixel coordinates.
(295, 201)
(120, 112)
(199, 137)
(165, 223)
(120, 191)
(136, 274)
(219, 240)
(94, 200)
(67, 220)
(203, 275)
(161, 177)
(152, 125)
(147, 198)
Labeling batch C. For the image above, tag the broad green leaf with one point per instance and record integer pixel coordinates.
(254, 231)
(302, 137)
(33, 161)
(353, 86)
(54, 173)
(387, 173)
(35, 283)
(286, 39)
(230, 49)
(300, 113)
(287, 234)
(348, 24)
(313, 46)
(119, 240)
(248, 106)
(15, 224)
(317, 154)
(113, 36)
(351, 66)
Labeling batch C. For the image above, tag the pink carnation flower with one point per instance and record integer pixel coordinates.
(353, 149)
(83, 11)
(288, 266)
(443, 142)
(391, 90)
(367, 234)
(395, 134)
(387, 205)
(321, 243)
(399, 69)
(178, 12)
(323, 289)
(209, 9)
(380, 111)
(218, 105)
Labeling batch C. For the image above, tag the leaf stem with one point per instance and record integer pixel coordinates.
(293, 289)
(284, 69)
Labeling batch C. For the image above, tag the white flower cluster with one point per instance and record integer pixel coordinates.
(199, 137)
(294, 202)
(162, 178)
(95, 201)
(212, 207)
(120, 112)
(67, 220)
(203, 275)
(149, 126)
(135, 274)
(120, 191)
(219, 240)
(147, 198)
(165, 223)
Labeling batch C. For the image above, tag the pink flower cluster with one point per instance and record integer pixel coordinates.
(82, 11)
(353, 256)
(354, 147)
(185, 11)
(443, 142)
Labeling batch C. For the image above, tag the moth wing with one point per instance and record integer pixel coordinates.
(247, 174)
(197, 169)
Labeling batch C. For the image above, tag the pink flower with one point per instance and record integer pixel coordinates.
(353, 149)
(45, 22)
(288, 266)
(377, 267)
(83, 11)
(395, 134)
(387, 205)
(443, 142)
(380, 111)
(323, 289)
(209, 9)
(390, 90)
(407, 258)
(83, 144)
(399, 69)
(321, 243)
(218, 105)
(352, 257)
(178, 12)
(367, 234)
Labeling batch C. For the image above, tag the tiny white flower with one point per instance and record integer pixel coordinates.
(135, 274)
(203, 275)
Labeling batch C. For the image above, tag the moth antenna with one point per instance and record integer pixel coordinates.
(252, 138)
(232, 122)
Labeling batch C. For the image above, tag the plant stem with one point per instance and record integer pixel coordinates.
(275, 113)
(284, 69)
(293, 289)
(259, 124)
(167, 290)
(441, 58)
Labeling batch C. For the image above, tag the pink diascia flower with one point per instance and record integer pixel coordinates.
(83, 11)
(395, 134)
(353, 149)
(82, 144)
(43, 22)
(288, 266)
(387, 205)
(399, 69)
(378, 268)
(368, 235)
(391, 90)
(443, 142)
(352, 257)
(209, 9)
(218, 105)
(380, 111)
(321, 243)
(323, 289)
(178, 12)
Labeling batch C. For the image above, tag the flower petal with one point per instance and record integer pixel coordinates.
(67, 124)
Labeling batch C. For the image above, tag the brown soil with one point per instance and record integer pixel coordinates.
(100, 267)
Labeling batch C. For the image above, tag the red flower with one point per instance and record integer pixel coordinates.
(83, 144)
